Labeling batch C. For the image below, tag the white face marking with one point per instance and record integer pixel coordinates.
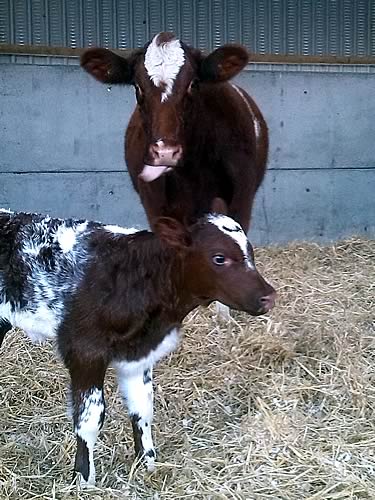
(254, 118)
(88, 426)
(163, 63)
(120, 230)
(232, 229)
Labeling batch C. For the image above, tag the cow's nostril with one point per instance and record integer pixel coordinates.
(154, 151)
(177, 153)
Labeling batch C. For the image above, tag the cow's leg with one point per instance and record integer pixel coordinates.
(246, 177)
(153, 199)
(137, 391)
(5, 326)
(88, 415)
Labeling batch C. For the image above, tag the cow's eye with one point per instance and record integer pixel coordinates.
(138, 93)
(218, 259)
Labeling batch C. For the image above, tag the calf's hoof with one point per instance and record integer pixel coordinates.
(149, 460)
(84, 484)
(146, 459)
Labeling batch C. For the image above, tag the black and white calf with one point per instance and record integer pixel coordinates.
(118, 296)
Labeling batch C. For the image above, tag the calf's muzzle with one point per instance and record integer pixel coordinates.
(267, 302)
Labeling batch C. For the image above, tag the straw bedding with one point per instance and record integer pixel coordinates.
(275, 407)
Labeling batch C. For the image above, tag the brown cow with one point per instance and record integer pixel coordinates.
(193, 136)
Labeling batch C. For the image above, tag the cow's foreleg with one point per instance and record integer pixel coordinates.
(137, 391)
(153, 199)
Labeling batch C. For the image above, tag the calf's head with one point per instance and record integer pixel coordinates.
(166, 75)
(218, 263)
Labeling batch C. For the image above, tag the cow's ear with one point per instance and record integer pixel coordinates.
(223, 63)
(108, 67)
(172, 232)
(219, 206)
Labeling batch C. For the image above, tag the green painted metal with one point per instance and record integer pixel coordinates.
(302, 27)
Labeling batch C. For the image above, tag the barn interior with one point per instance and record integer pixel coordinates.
(275, 407)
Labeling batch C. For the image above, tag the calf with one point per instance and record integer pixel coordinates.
(193, 136)
(114, 296)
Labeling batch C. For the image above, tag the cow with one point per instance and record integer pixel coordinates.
(193, 136)
(116, 296)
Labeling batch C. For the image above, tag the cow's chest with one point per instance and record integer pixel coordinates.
(189, 192)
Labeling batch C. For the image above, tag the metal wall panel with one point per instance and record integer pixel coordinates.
(304, 27)
(6, 22)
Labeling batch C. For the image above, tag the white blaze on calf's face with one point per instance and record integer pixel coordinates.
(163, 62)
(232, 229)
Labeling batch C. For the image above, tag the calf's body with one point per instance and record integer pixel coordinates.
(116, 296)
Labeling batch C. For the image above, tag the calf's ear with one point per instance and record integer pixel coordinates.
(172, 233)
(108, 67)
(223, 63)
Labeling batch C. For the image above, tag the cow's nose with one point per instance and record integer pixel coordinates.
(163, 154)
(267, 301)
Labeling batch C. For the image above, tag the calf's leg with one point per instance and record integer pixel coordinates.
(137, 391)
(88, 416)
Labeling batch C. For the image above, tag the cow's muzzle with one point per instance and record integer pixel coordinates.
(161, 158)
(162, 153)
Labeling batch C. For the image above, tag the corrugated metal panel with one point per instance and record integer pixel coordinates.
(124, 27)
(260, 27)
(6, 22)
(22, 24)
(37, 27)
(203, 28)
(292, 34)
(276, 27)
(56, 22)
(140, 22)
(306, 27)
(90, 24)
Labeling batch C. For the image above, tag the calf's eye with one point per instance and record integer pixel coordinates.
(193, 85)
(219, 259)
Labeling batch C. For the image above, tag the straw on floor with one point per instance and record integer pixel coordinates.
(275, 407)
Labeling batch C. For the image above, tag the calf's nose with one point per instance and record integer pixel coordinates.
(267, 301)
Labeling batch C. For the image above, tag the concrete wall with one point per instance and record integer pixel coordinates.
(61, 149)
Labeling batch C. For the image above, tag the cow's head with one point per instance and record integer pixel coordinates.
(166, 76)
